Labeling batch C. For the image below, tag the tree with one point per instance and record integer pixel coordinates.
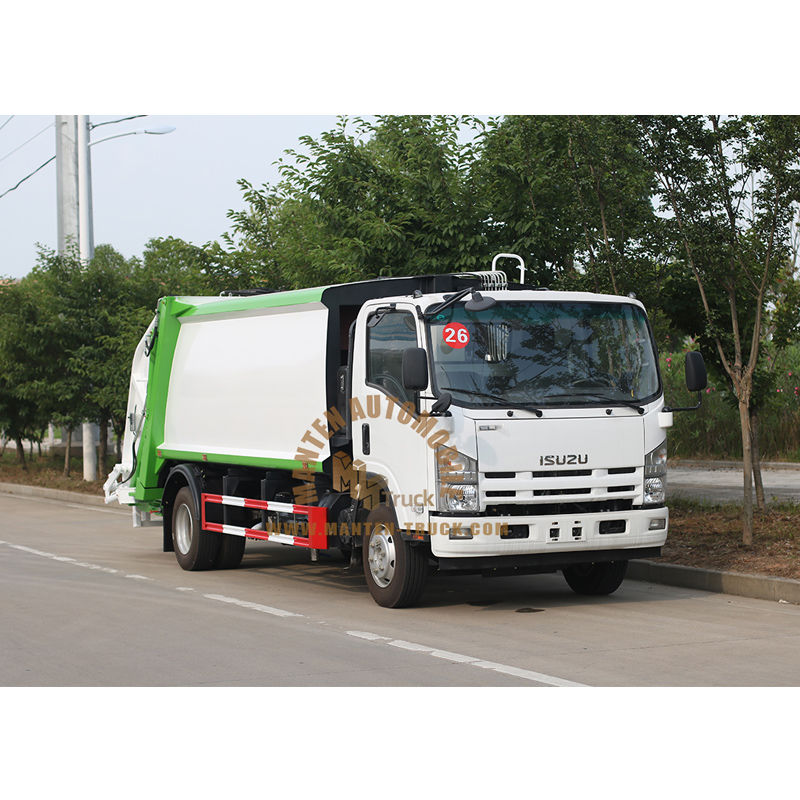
(107, 294)
(571, 194)
(730, 188)
(21, 357)
(392, 198)
(171, 266)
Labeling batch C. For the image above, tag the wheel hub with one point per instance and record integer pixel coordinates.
(382, 557)
(183, 529)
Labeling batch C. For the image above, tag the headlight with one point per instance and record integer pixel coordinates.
(457, 483)
(655, 476)
(655, 491)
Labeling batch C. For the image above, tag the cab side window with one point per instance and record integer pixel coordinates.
(387, 338)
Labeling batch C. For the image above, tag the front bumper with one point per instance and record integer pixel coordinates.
(565, 534)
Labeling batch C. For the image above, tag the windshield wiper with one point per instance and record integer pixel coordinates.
(497, 398)
(608, 400)
(626, 403)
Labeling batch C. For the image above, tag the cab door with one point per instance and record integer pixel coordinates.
(386, 437)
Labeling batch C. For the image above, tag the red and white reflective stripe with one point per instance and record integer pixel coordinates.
(317, 518)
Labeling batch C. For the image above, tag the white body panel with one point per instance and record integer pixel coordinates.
(249, 385)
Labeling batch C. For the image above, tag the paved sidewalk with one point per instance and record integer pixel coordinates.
(722, 481)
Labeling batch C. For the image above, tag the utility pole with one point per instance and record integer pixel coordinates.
(86, 211)
(73, 187)
(67, 181)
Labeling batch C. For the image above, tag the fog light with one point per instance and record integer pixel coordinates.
(658, 524)
(462, 532)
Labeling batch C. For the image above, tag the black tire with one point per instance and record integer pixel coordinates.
(231, 550)
(595, 579)
(395, 571)
(195, 549)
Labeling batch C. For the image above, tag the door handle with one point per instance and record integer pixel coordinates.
(365, 438)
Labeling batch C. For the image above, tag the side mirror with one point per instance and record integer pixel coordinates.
(480, 303)
(415, 369)
(696, 379)
(695, 367)
(442, 404)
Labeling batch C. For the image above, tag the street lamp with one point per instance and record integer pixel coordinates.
(86, 224)
(75, 189)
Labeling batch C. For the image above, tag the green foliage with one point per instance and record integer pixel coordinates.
(729, 188)
(572, 195)
(394, 197)
(714, 431)
(22, 416)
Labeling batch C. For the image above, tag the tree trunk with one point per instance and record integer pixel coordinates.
(21, 453)
(747, 508)
(68, 452)
(756, 454)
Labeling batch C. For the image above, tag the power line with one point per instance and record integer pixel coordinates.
(7, 121)
(52, 124)
(8, 191)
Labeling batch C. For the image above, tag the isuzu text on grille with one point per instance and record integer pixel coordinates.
(560, 461)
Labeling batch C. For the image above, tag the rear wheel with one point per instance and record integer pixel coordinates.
(395, 571)
(195, 549)
(231, 550)
(595, 579)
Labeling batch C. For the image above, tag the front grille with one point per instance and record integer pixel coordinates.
(548, 509)
(561, 491)
(563, 473)
(554, 492)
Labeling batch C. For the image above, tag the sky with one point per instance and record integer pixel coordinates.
(183, 184)
(180, 184)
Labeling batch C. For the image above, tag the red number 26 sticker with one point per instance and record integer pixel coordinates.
(456, 335)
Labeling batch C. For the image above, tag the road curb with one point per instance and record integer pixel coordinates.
(708, 580)
(737, 465)
(23, 490)
(755, 586)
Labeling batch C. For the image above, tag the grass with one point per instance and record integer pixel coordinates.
(48, 471)
(709, 536)
(701, 534)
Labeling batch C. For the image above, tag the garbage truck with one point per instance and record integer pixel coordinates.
(462, 422)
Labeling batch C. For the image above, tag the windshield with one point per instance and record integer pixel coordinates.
(544, 354)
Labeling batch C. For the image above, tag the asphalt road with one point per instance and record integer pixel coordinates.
(726, 484)
(86, 600)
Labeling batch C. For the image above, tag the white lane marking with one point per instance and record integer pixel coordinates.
(63, 559)
(277, 612)
(517, 672)
(505, 669)
(373, 637)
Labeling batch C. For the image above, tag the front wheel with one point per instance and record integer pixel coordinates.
(195, 549)
(595, 579)
(395, 571)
